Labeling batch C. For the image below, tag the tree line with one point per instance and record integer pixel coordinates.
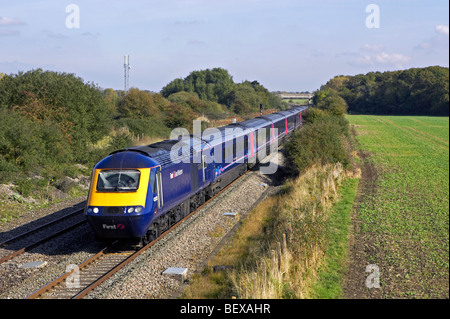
(415, 91)
(50, 120)
(217, 85)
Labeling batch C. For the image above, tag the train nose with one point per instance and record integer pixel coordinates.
(120, 227)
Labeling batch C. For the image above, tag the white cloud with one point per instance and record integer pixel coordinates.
(375, 55)
(10, 21)
(364, 60)
(372, 48)
(54, 35)
(438, 42)
(424, 45)
(9, 32)
(195, 42)
(394, 58)
(190, 22)
(383, 58)
(442, 29)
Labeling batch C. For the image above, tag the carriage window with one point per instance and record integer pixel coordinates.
(118, 180)
(223, 155)
(153, 181)
(159, 187)
(280, 126)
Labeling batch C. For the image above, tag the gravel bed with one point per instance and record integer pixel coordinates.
(188, 247)
(185, 247)
(71, 248)
(30, 220)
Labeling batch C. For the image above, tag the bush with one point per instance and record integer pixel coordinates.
(313, 114)
(25, 186)
(30, 148)
(320, 142)
(7, 170)
(137, 104)
(57, 101)
(179, 116)
(330, 101)
(191, 101)
(149, 126)
(120, 140)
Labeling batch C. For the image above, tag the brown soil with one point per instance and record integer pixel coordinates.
(360, 244)
(405, 267)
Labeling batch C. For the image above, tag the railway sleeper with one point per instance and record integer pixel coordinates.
(166, 221)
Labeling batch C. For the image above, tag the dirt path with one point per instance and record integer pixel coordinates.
(361, 243)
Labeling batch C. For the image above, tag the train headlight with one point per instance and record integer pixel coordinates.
(138, 209)
(130, 210)
(95, 210)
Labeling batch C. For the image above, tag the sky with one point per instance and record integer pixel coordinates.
(286, 45)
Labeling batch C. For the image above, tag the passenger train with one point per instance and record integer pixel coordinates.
(140, 192)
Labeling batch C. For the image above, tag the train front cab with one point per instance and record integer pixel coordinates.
(122, 202)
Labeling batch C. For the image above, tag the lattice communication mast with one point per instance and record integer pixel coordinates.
(126, 68)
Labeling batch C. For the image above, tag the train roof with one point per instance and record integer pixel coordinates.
(299, 108)
(255, 123)
(126, 160)
(196, 143)
(169, 151)
(274, 117)
(214, 136)
(289, 112)
(165, 152)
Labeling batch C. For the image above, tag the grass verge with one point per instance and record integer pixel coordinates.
(279, 249)
(329, 282)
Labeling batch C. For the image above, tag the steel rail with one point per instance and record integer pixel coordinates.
(40, 241)
(25, 234)
(104, 252)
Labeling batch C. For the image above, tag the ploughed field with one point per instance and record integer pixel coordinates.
(402, 217)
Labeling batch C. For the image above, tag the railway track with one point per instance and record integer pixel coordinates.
(26, 241)
(85, 277)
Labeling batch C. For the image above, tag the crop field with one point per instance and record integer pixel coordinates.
(404, 217)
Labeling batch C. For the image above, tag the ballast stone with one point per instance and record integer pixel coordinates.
(34, 264)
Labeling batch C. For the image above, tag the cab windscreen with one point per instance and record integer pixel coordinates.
(118, 180)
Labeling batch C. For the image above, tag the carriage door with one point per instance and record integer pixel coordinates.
(194, 177)
(159, 190)
(204, 166)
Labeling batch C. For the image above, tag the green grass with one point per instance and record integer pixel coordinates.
(298, 101)
(267, 264)
(329, 282)
(407, 218)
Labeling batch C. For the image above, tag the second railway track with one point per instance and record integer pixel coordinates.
(28, 240)
(101, 267)
(187, 245)
(84, 278)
